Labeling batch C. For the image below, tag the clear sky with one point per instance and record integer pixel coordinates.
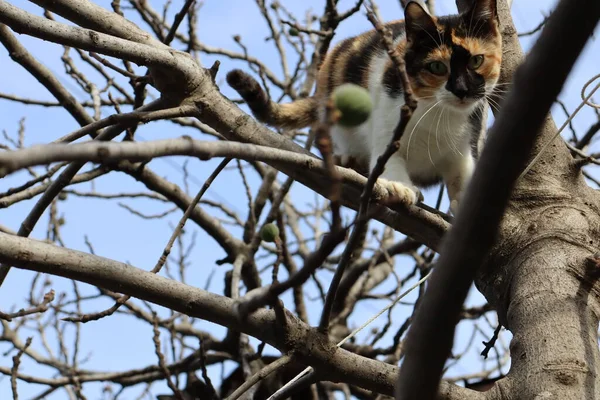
(120, 342)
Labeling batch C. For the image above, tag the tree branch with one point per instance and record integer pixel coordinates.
(89, 15)
(85, 39)
(291, 161)
(330, 362)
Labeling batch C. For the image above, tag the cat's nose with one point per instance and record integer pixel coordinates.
(458, 87)
(461, 93)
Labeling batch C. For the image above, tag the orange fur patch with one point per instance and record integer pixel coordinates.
(490, 68)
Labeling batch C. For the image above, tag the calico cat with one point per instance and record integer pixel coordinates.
(453, 64)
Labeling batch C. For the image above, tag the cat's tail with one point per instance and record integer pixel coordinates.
(295, 115)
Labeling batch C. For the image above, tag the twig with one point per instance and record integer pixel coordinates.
(132, 118)
(258, 297)
(536, 29)
(27, 185)
(112, 66)
(490, 344)
(584, 101)
(41, 308)
(204, 371)
(15, 369)
(146, 216)
(260, 375)
(365, 199)
(161, 359)
(589, 135)
(178, 18)
(306, 30)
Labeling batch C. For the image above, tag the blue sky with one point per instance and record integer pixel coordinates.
(121, 342)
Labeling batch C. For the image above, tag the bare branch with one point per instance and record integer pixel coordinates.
(333, 363)
(15, 368)
(26, 23)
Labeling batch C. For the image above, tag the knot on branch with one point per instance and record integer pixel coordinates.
(180, 79)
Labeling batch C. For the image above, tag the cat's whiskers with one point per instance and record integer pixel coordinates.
(429, 137)
(437, 142)
(493, 103)
(423, 98)
(415, 127)
(439, 45)
(501, 90)
(470, 25)
(479, 29)
(452, 144)
(447, 123)
(440, 36)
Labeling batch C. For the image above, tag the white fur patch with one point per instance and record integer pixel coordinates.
(435, 143)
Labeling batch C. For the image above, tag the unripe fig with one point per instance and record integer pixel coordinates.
(269, 232)
(354, 104)
(293, 31)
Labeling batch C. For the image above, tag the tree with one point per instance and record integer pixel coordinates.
(296, 274)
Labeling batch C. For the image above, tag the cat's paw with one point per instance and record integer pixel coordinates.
(455, 202)
(454, 206)
(345, 160)
(400, 193)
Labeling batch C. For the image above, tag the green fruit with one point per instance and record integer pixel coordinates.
(354, 104)
(269, 232)
(293, 31)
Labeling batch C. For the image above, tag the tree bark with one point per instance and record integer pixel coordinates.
(539, 275)
(548, 230)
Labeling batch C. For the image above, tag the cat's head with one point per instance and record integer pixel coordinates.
(455, 59)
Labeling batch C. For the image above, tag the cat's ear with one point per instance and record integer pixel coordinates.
(482, 10)
(417, 20)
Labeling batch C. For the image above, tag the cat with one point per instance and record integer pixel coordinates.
(453, 65)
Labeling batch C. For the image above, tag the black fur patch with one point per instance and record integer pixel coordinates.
(251, 92)
(342, 48)
(358, 63)
(392, 83)
(463, 82)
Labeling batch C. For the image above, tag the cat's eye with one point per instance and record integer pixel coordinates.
(437, 68)
(475, 61)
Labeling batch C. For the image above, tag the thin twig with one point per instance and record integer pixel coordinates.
(132, 118)
(490, 343)
(260, 375)
(405, 115)
(161, 359)
(15, 368)
(204, 371)
(40, 308)
(178, 18)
